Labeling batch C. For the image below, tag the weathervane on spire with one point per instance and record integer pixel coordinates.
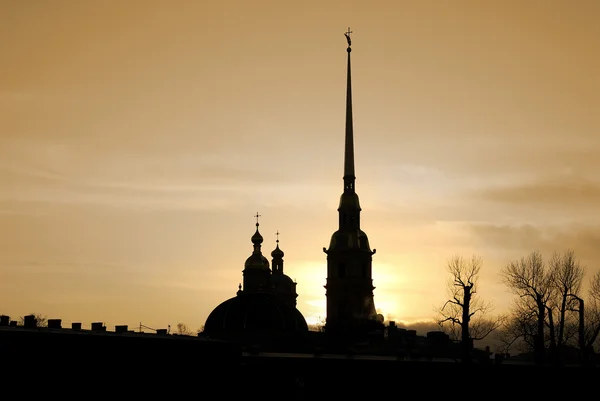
(347, 35)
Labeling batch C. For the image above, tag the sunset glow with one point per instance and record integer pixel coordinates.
(138, 139)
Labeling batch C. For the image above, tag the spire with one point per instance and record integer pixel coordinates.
(277, 251)
(256, 269)
(349, 234)
(277, 255)
(257, 239)
(349, 288)
(349, 177)
(257, 260)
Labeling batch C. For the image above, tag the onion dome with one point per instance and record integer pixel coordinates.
(257, 260)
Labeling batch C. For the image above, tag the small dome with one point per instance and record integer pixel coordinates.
(283, 283)
(257, 260)
(277, 252)
(257, 239)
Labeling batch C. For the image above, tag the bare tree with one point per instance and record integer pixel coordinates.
(594, 310)
(183, 330)
(520, 329)
(589, 320)
(40, 320)
(531, 281)
(463, 315)
(550, 296)
(566, 277)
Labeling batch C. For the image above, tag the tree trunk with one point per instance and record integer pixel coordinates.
(539, 348)
(583, 349)
(554, 347)
(561, 318)
(465, 336)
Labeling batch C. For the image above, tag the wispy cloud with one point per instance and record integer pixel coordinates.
(522, 239)
(566, 192)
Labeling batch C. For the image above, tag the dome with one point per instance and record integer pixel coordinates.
(257, 239)
(355, 239)
(283, 283)
(349, 200)
(277, 252)
(254, 313)
(257, 261)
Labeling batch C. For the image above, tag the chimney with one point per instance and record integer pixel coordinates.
(98, 326)
(75, 326)
(30, 322)
(121, 329)
(4, 320)
(54, 324)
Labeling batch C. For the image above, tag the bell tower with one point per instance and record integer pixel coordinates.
(349, 288)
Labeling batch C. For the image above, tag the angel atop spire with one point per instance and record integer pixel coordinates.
(347, 35)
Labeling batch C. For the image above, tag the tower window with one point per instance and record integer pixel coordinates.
(342, 270)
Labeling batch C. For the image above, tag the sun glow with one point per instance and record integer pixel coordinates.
(311, 293)
(391, 300)
(387, 294)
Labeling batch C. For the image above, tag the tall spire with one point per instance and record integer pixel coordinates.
(349, 288)
(349, 177)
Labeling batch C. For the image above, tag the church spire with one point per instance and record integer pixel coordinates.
(349, 288)
(256, 269)
(277, 261)
(349, 177)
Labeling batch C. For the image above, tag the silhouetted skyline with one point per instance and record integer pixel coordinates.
(137, 141)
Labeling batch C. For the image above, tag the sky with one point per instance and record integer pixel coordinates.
(138, 139)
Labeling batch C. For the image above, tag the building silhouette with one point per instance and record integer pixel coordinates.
(349, 289)
(263, 312)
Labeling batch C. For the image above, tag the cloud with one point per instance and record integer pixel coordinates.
(36, 171)
(513, 241)
(563, 192)
(421, 327)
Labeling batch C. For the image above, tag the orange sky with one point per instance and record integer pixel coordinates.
(138, 139)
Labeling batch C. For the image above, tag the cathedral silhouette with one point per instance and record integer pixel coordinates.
(264, 309)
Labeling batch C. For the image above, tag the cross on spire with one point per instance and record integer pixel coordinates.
(277, 234)
(257, 216)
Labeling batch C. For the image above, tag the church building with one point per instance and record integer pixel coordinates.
(263, 312)
(264, 309)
